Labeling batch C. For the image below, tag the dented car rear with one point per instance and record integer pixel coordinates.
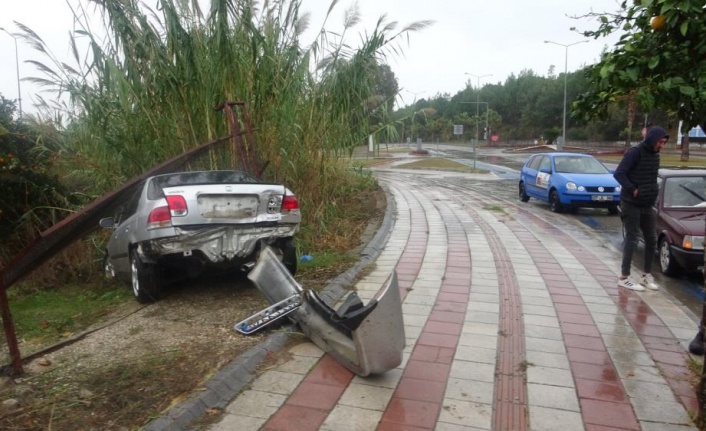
(196, 221)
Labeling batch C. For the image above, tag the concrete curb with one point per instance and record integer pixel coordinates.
(228, 382)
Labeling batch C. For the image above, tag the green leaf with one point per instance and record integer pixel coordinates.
(654, 62)
(606, 70)
(633, 74)
(687, 91)
(684, 28)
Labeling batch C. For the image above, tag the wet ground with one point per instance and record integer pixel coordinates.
(687, 288)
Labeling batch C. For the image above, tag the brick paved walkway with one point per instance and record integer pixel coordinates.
(513, 322)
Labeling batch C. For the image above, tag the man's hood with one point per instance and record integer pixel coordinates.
(653, 136)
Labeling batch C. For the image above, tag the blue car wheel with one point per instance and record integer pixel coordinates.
(554, 202)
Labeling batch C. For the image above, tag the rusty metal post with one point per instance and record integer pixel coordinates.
(9, 326)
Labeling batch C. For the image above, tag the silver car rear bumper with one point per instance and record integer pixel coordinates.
(365, 338)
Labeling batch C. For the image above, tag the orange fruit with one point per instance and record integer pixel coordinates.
(658, 22)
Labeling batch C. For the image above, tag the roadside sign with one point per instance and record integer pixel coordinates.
(494, 137)
(458, 129)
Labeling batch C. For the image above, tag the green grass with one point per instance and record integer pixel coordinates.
(438, 163)
(56, 313)
(666, 160)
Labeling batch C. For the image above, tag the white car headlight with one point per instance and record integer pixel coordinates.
(618, 189)
(582, 188)
(571, 186)
(692, 242)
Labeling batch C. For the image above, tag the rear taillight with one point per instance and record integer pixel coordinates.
(159, 217)
(289, 203)
(177, 206)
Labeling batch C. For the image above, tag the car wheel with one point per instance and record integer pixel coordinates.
(145, 280)
(667, 263)
(108, 268)
(613, 210)
(554, 202)
(523, 193)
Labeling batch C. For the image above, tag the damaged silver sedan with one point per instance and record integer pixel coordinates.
(198, 220)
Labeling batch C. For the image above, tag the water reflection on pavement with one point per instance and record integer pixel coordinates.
(687, 288)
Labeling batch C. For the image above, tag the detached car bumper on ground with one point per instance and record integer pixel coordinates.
(568, 181)
(193, 221)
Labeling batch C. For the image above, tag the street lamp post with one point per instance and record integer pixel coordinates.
(17, 69)
(478, 77)
(566, 64)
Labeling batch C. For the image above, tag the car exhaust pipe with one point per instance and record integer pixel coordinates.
(365, 338)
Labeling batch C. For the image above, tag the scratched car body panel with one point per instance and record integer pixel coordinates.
(196, 221)
(568, 181)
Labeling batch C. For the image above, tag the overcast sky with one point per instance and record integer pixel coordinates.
(478, 37)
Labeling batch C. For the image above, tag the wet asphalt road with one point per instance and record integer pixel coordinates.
(687, 288)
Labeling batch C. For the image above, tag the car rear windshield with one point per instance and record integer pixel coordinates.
(195, 178)
(579, 165)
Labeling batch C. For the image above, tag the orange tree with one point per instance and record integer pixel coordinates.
(659, 62)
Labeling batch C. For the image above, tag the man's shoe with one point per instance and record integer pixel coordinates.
(649, 282)
(697, 344)
(631, 284)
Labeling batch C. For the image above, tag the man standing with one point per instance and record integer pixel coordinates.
(637, 175)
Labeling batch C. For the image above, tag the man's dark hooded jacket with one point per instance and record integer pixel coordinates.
(639, 168)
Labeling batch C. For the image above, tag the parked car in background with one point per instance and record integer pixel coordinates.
(194, 221)
(681, 219)
(568, 181)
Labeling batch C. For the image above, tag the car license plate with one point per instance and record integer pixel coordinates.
(228, 206)
(600, 198)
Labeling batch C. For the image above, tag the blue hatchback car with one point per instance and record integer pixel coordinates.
(569, 181)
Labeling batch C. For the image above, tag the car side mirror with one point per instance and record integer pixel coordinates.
(107, 223)
(611, 170)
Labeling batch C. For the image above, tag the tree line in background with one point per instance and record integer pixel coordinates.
(525, 107)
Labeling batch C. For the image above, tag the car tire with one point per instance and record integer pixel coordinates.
(554, 202)
(145, 280)
(289, 255)
(613, 210)
(667, 263)
(523, 193)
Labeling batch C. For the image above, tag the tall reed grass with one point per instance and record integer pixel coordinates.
(144, 82)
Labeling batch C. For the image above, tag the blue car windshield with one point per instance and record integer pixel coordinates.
(579, 165)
